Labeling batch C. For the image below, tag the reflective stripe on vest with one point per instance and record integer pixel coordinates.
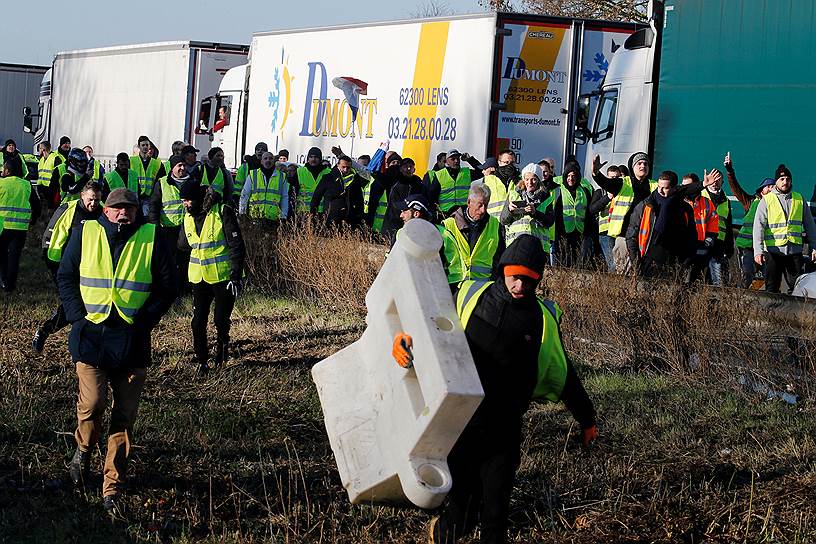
(217, 182)
(45, 168)
(723, 213)
(382, 207)
(498, 195)
(552, 360)
(308, 184)
(146, 178)
(783, 230)
(644, 233)
(128, 287)
(621, 204)
(209, 258)
(527, 225)
(704, 214)
(115, 180)
(479, 263)
(241, 176)
(172, 212)
(745, 236)
(15, 208)
(267, 195)
(61, 232)
(573, 211)
(453, 192)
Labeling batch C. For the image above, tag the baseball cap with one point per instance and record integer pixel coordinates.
(188, 149)
(765, 183)
(489, 162)
(415, 202)
(452, 153)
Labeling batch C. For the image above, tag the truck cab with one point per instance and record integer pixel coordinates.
(39, 123)
(622, 106)
(221, 116)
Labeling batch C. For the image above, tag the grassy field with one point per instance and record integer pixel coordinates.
(242, 456)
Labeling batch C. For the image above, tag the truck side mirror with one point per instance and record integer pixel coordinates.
(27, 111)
(28, 122)
(580, 136)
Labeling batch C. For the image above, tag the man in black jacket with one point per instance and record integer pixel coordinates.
(116, 280)
(213, 237)
(405, 184)
(505, 325)
(340, 194)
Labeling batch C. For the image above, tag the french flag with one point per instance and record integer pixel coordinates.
(352, 89)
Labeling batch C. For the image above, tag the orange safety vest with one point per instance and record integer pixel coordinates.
(645, 230)
(706, 219)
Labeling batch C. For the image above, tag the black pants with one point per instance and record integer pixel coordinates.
(483, 466)
(776, 265)
(203, 296)
(57, 319)
(12, 243)
(181, 258)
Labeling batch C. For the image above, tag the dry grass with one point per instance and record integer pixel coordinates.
(685, 454)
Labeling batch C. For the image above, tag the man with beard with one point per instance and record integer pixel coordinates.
(251, 162)
(307, 179)
(339, 195)
(66, 217)
(406, 183)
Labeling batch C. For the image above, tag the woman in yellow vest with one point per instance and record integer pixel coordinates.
(116, 280)
(19, 208)
(515, 340)
(213, 238)
(527, 208)
(782, 218)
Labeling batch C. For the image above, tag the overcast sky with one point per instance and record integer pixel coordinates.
(34, 31)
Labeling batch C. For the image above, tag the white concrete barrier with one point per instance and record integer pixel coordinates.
(391, 428)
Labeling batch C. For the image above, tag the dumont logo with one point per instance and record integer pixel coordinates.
(324, 116)
(540, 35)
(516, 68)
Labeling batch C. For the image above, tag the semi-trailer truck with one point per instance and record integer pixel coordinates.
(476, 83)
(19, 87)
(108, 97)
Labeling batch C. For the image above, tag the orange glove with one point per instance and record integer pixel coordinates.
(590, 435)
(402, 350)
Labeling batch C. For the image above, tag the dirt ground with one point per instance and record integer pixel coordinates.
(242, 456)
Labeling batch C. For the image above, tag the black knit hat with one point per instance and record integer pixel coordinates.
(782, 170)
(526, 251)
(191, 190)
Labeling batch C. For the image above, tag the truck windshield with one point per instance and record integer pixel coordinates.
(605, 120)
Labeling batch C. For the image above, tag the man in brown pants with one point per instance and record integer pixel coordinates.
(116, 280)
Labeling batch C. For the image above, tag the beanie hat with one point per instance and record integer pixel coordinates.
(315, 152)
(533, 168)
(573, 168)
(782, 170)
(525, 252)
(191, 190)
(640, 156)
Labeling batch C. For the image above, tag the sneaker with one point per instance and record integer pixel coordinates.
(78, 469)
(38, 342)
(113, 505)
(221, 354)
(203, 369)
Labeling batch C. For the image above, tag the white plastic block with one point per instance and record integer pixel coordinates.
(391, 428)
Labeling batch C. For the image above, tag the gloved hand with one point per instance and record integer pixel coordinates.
(590, 435)
(464, 156)
(401, 350)
(234, 288)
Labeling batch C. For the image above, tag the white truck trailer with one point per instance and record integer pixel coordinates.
(108, 97)
(477, 83)
(19, 87)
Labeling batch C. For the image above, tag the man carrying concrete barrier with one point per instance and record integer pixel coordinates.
(515, 341)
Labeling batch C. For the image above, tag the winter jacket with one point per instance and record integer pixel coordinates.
(400, 190)
(115, 344)
(342, 202)
(676, 246)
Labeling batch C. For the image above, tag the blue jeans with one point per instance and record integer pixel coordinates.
(607, 243)
(718, 268)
